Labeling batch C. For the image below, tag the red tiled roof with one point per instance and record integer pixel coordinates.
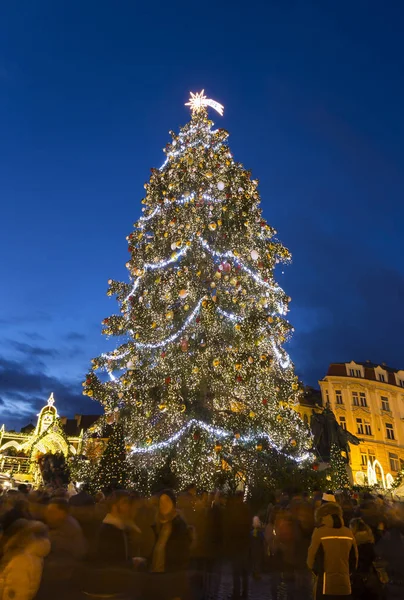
(339, 370)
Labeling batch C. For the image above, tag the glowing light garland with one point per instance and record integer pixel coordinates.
(174, 336)
(153, 266)
(230, 316)
(180, 201)
(229, 254)
(219, 433)
(284, 362)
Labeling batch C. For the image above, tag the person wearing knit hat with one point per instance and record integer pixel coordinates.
(328, 497)
(333, 554)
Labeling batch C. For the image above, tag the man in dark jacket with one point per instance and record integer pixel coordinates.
(111, 570)
(333, 554)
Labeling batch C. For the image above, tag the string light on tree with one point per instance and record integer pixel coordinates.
(201, 323)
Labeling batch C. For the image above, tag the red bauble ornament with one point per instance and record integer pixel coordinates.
(264, 401)
(315, 467)
(239, 378)
(196, 436)
(163, 354)
(167, 380)
(198, 319)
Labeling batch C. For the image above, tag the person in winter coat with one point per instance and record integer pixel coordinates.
(257, 547)
(68, 548)
(237, 527)
(171, 553)
(22, 563)
(365, 585)
(333, 553)
(114, 540)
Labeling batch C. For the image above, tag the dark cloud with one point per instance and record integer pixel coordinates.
(36, 317)
(34, 351)
(32, 335)
(74, 336)
(24, 390)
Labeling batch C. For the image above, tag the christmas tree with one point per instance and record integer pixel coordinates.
(201, 381)
(113, 471)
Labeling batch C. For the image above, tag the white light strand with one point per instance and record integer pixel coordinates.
(181, 200)
(229, 254)
(133, 290)
(230, 316)
(284, 362)
(218, 433)
(174, 336)
(111, 356)
(164, 263)
(181, 150)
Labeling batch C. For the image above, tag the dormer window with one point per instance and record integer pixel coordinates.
(382, 377)
(354, 372)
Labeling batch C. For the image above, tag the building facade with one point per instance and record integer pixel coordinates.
(19, 452)
(368, 400)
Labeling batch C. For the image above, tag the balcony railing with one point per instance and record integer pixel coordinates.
(14, 464)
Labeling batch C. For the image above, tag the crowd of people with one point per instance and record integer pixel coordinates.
(59, 543)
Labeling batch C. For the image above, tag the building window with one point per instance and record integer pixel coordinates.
(368, 428)
(364, 459)
(401, 464)
(382, 377)
(355, 372)
(371, 456)
(394, 462)
(359, 425)
(385, 403)
(401, 383)
(389, 431)
(338, 397)
(362, 398)
(355, 398)
(342, 422)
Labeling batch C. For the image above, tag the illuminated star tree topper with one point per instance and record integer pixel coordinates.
(199, 101)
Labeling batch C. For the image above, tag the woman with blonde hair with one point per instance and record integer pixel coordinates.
(24, 549)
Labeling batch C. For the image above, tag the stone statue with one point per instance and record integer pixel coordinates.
(327, 431)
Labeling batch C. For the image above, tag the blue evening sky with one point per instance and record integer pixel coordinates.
(313, 95)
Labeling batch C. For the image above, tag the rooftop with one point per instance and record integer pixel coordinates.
(371, 372)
